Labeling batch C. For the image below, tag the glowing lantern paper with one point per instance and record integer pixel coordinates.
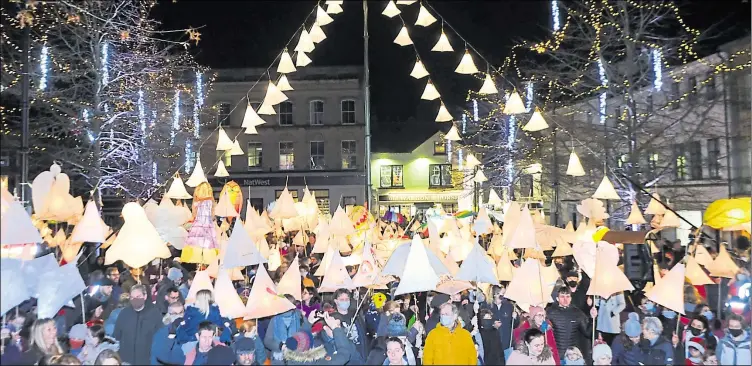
(695, 274)
(419, 275)
(91, 228)
(226, 297)
(528, 285)
(16, 225)
(701, 255)
(58, 286)
(606, 190)
(13, 288)
(723, 265)
(482, 223)
(223, 141)
(341, 224)
(397, 263)
(430, 92)
(336, 277)
(419, 71)
(266, 300)
(574, 168)
(536, 123)
(403, 38)
(290, 283)
(391, 10)
(177, 190)
(488, 86)
(240, 250)
(201, 281)
(504, 269)
(197, 177)
(284, 207)
(608, 279)
(635, 216)
(477, 267)
(225, 208)
(654, 206)
(138, 242)
(669, 291)
(201, 246)
(442, 45)
(514, 104)
(424, 17)
(322, 18)
(524, 232)
(285, 63)
(562, 250)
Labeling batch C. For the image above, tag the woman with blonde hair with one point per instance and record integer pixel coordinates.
(43, 342)
(203, 309)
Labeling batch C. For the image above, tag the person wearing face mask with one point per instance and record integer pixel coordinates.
(698, 328)
(734, 347)
(136, 326)
(578, 287)
(162, 342)
(310, 301)
(489, 339)
(449, 343)
(281, 327)
(655, 349)
(537, 319)
(504, 316)
(625, 348)
(532, 350)
(353, 323)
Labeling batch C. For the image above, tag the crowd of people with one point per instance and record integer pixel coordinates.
(140, 317)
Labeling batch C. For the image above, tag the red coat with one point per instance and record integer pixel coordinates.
(550, 341)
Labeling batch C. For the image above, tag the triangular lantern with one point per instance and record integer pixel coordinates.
(17, 227)
(606, 190)
(302, 59)
(443, 115)
(482, 223)
(236, 149)
(251, 118)
(322, 18)
(654, 206)
(284, 207)
(221, 170)
(562, 250)
(430, 92)
(197, 176)
(493, 198)
(403, 38)
(471, 161)
(488, 87)
(477, 267)
(419, 275)
(419, 71)
(266, 300)
(283, 84)
(57, 287)
(670, 220)
(723, 265)
(391, 10)
(424, 17)
(466, 66)
(528, 285)
(504, 269)
(669, 291)
(695, 274)
(266, 109)
(201, 281)
(453, 134)
(397, 263)
(290, 283)
(479, 177)
(226, 297)
(536, 122)
(317, 34)
(334, 8)
(273, 95)
(336, 277)
(223, 141)
(608, 279)
(524, 232)
(91, 228)
(138, 242)
(305, 44)
(341, 224)
(514, 104)
(701, 255)
(574, 168)
(285, 63)
(225, 207)
(442, 45)
(635, 216)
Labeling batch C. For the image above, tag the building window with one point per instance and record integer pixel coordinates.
(316, 112)
(349, 154)
(349, 202)
(391, 176)
(714, 154)
(322, 200)
(293, 193)
(450, 208)
(317, 155)
(695, 160)
(439, 148)
(652, 164)
(286, 155)
(440, 175)
(226, 157)
(285, 113)
(680, 162)
(348, 112)
(223, 113)
(254, 154)
(674, 95)
(692, 88)
(710, 87)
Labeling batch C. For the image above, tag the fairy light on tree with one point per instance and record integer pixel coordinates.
(657, 57)
(198, 103)
(142, 115)
(602, 96)
(464, 123)
(175, 117)
(555, 22)
(85, 115)
(530, 96)
(44, 67)
(475, 110)
(105, 63)
(154, 173)
(188, 156)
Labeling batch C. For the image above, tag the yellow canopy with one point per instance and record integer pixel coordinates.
(729, 212)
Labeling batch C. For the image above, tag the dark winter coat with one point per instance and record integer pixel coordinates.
(162, 345)
(492, 353)
(357, 333)
(659, 353)
(193, 317)
(135, 331)
(625, 352)
(503, 313)
(571, 328)
(320, 356)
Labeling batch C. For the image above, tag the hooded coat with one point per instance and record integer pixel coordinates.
(319, 355)
(550, 339)
(734, 352)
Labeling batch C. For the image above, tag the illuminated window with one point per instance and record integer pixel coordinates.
(440, 175)
(680, 162)
(349, 154)
(254, 154)
(439, 148)
(391, 176)
(348, 112)
(316, 109)
(317, 155)
(286, 155)
(226, 157)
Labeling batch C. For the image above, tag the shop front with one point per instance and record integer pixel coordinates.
(411, 204)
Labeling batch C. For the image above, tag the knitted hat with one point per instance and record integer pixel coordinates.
(439, 300)
(174, 274)
(244, 345)
(300, 342)
(632, 327)
(535, 310)
(396, 325)
(697, 343)
(220, 355)
(78, 331)
(601, 350)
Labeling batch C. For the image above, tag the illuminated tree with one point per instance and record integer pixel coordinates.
(113, 97)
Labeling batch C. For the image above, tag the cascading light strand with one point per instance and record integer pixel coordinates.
(530, 96)
(188, 155)
(44, 67)
(85, 115)
(142, 115)
(197, 104)
(555, 17)
(175, 117)
(602, 96)
(657, 57)
(105, 63)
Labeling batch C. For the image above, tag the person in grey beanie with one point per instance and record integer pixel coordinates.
(625, 348)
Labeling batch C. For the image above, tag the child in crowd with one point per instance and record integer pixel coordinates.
(573, 356)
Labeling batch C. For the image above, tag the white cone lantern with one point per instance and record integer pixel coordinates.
(477, 267)
(138, 242)
(442, 45)
(471, 161)
(635, 216)
(391, 10)
(336, 276)
(488, 87)
(669, 291)
(266, 300)
(670, 220)
(430, 92)
(453, 134)
(701, 255)
(424, 17)
(274, 96)
(284, 208)
(17, 227)
(574, 168)
(251, 118)
(334, 8)
(403, 38)
(443, 115)
(197, 176)
(225, 207)
(419, 71)
(317, 34)
(608, 278)
(302, 59)
(177, 190)
(606, 190)
(536, 122)
(695, 274)
(419, 275)
(291, 281)
(504, 269)
(91, 228)
(305, 44)
(226, 297)
(562, 250)
(514, 104)
(493, 198)
(284, 84)
(285, 63)
(479, 177)
(322, 18)
(528, 285)
(223, 141)
(236, 149)
(723, 265)
(341, 225)
(466, 66)
(654, 206)
(221, 170)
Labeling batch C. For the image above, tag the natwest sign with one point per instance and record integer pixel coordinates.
(257, 182)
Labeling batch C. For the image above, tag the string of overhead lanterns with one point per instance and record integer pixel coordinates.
(307, 38)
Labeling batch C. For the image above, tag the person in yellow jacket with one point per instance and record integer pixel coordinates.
(449, 343)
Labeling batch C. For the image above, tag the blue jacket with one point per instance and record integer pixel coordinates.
(109, 324)
(162, 345)
(193, 317)
(503, 314)
(623, 356)
(259, 354)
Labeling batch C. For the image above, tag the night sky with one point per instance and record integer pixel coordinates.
(252, 33)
